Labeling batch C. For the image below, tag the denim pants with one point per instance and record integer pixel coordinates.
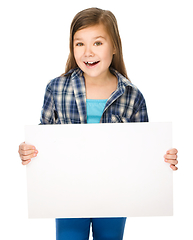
(79, 228)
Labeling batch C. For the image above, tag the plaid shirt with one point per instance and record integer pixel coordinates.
(65, 101)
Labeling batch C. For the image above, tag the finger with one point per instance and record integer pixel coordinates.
(170, 156)
(28, 157)
(27, 152)
(173, 167)
(26, 162)
(25, 147)
(172, 151)
(173, 162)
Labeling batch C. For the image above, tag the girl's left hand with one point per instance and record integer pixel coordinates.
(171, 157)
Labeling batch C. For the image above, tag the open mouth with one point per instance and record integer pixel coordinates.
(91, 64)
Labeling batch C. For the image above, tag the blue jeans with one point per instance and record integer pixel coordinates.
(79, 228)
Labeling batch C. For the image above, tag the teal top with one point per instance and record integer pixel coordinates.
(95, 108)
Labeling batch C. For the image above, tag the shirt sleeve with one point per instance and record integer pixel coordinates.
(140, 110)
(48, 109)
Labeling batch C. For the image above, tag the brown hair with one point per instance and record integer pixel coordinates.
(90, 17)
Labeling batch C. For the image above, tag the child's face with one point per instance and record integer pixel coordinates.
(93, 51)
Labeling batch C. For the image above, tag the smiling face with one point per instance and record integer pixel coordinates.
(93, 51)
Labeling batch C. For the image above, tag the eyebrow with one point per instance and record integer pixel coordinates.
(78, 39)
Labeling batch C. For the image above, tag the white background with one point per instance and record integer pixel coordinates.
(157, 45)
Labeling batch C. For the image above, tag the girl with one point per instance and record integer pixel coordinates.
(94, 88)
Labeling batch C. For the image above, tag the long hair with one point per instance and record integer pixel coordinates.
(91, 17)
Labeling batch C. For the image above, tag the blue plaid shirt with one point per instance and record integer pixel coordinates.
(65, 101)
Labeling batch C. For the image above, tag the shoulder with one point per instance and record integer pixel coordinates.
(129, 88)
(122, 81)
(58, 83)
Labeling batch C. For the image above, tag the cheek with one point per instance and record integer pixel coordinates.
(108, 55)
(78, 58)
(77, 53)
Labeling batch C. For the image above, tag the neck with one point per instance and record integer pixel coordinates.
(101, 80)
(100, 87)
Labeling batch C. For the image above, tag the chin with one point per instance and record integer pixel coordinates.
(95, 73)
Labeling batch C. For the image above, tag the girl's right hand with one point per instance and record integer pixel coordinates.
(27, 152)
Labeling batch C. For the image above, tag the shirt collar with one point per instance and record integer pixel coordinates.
(122, 81)
(78, 82)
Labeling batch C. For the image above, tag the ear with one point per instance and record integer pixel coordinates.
(114, 51)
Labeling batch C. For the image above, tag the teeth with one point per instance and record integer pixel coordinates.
(90, 62)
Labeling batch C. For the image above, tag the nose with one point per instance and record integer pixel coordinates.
(88, 52)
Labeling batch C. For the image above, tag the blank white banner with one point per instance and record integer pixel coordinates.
(100, 170)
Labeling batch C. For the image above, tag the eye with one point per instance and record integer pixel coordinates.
(79, 44)
(98, 43)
